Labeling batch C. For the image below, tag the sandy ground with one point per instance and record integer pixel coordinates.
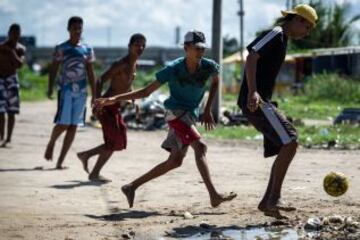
(37, 202)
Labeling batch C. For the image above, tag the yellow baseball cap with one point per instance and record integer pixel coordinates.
(305, 11)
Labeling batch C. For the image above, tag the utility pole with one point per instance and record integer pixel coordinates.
(288, 4)
(217, 54)
(108, 36)
(177, 36)
(241, 15)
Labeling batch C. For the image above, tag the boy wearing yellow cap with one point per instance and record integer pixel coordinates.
(266, 55)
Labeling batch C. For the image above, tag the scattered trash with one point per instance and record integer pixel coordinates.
(313, 224)
(336, 219)
(348, 116)
(325, 228)
(188, 215)
(234, 119)
(151, 114)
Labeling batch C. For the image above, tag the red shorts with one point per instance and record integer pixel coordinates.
(113, 127)
(186, 133)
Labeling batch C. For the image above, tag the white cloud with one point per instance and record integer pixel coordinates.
(157, 19)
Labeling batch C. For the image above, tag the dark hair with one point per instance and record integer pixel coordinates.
(14, 27)
(285, 19)
(73, 20)
(135, 37)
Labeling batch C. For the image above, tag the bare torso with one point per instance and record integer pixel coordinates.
(122, 75)
(7, 62)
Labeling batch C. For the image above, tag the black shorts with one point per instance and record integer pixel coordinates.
(277, 130)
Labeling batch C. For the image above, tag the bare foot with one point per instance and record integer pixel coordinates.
(5, 144)
(99, 178)
(222, 198)
(61, 167)
(284, 206)
(49, 152)
(84, 160)
(129, 193)
(275, 214)
(271, 211)
(277, 205)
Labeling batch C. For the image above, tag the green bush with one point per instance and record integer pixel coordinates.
(332, 87)
(143, 78)
(33, 86)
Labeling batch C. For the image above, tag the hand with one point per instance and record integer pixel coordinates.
(208, 121)
(253, 101)
(100, 103)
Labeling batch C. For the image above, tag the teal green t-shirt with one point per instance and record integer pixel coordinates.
(186, 89)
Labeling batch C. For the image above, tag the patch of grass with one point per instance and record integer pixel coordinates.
(342, 134)
(324, 97)
(33, 86)
(233, 132)
(308, 135)
(143, 78)
(301, 107)
(332, 87)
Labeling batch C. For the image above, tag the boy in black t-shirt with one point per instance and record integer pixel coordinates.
(266, 55)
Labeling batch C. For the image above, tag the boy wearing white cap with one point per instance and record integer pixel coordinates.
(186, 78)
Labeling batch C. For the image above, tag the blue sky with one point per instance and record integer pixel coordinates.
(118, 19)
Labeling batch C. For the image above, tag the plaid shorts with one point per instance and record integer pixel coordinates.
(182, 130)
(277, 130)
(9, 94)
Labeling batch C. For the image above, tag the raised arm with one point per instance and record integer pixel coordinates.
(137, 94)
(18, 56)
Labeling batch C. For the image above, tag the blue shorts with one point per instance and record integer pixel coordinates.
(9, 95)
(71, 108)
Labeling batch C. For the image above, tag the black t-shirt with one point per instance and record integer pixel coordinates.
(271, 47)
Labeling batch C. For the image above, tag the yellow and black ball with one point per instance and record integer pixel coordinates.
(335, 184)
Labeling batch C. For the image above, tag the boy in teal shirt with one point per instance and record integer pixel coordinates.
(186, 78)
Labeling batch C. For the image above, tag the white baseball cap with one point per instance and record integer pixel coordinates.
(196, 38)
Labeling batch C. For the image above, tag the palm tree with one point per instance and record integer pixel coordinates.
(332, 29)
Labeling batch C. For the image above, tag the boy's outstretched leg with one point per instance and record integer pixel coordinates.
(68, 139)
(55, 134)
(200, 156)
(175, 160)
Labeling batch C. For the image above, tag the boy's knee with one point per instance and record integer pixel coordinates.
(293, 145)
(176, 158)
(176, 162)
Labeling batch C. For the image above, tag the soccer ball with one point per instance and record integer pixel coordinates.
(335, 184)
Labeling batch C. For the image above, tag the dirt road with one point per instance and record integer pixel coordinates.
(37, 202)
